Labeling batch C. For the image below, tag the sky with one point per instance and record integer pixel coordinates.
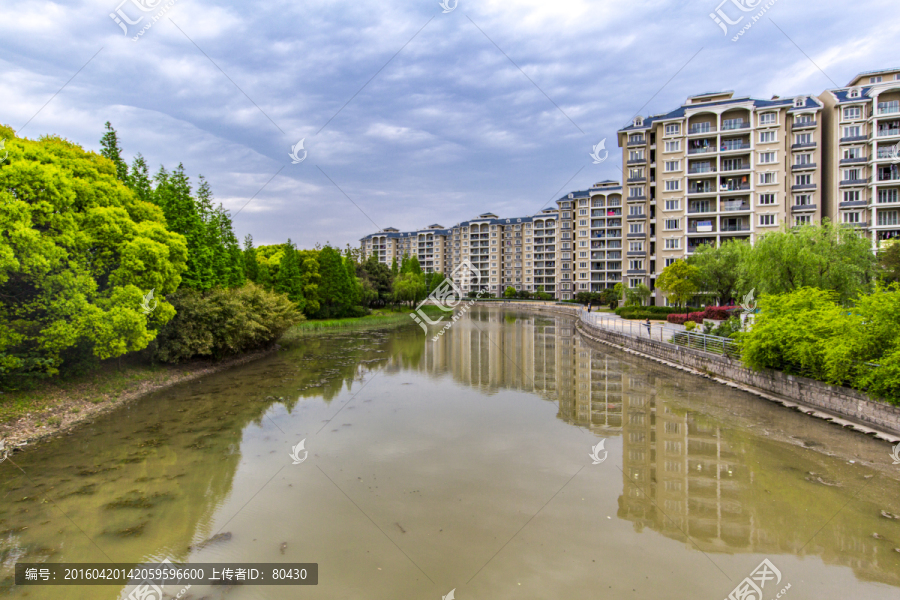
(411, 113)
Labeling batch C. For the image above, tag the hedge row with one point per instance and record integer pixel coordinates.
(720, 313)
(652, 311)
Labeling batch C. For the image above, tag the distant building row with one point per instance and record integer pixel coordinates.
(717, 168)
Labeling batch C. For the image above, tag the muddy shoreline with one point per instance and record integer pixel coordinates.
(72, 412)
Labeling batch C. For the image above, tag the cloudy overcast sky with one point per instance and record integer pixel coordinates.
(494, 105)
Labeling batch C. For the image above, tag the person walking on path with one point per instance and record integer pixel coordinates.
(648, 327)
(589, 306)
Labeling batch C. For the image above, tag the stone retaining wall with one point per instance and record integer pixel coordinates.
(841, 405)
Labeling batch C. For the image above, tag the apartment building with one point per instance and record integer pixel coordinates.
(718, 168)
(596, 223)
(430, 245)
(862, 162)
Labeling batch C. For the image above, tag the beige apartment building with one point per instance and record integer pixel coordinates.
(861, 176)
(430, 245)
(597, 244)
(718, 168)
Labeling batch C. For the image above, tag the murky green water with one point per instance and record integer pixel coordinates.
(464, 464)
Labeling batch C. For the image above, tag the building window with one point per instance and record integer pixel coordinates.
(851, 196)
(876, 79)
(852, 131)
(887, 217)
(888, 196)
(766, 137)
(673, 244)
(852, 112)
(767, 178)
(672, 224)
(635, 265)
(766, 220)
(673, 165)
(766, 199)
(851, 217)
(766, 158)
(636, 228)
(635, 192)
(673, 205)
(673, 129)
(673, 185)
(802, 220)
(851, 153)
(635, 246)
(804, 180)
(768, 118)
(803, 200)
(634, 282)
(673, 146)
(670, 261)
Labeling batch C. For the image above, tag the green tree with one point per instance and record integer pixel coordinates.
(409, 287)
(721, 270)
(379, 276)
(395, 270)
(309, 279)
(288, 280)
(109, 148)
(889, 261)
(79, 253)
(336, 290)
(510, 292)
(264, 277)
(173, 195)
(823, 256)
(678, 281)
(251, 266)
(139, 179)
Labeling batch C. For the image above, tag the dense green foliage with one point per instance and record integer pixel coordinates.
(79, 251)
(808, 332)
(719, 271)
(224, 322)
(679, 281)
(645, 312)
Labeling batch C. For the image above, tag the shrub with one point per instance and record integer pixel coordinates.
(223, 322)
(677, 319)
(690, 325)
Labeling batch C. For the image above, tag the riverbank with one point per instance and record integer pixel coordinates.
(57, 406)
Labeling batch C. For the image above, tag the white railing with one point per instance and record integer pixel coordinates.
(664, 333)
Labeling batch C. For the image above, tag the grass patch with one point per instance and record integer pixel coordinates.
(378, 318)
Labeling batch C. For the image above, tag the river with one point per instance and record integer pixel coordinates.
(464, 464)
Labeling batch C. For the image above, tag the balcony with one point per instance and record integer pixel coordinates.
(850, 161)
(636, 161)
(854, 204)
(803, 167)
(636, 235)
(703, 150)
(698, 171)
(804, 145)
(735, 205)
(804, 124)
(803, 186)
(888, 177)
(637, 142)
(710, 189)
(848, 182)
(734, 187)
(803, 207)
(735, 147)
(734, 228)
(636, 180)
(888, 132)
(888, 110)
(705, 128)
(636, 272)
(640, 198)
(698, 227)
(734, 126)
(699, 210)
(637, 253)
(635, 217)
(854, 138)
